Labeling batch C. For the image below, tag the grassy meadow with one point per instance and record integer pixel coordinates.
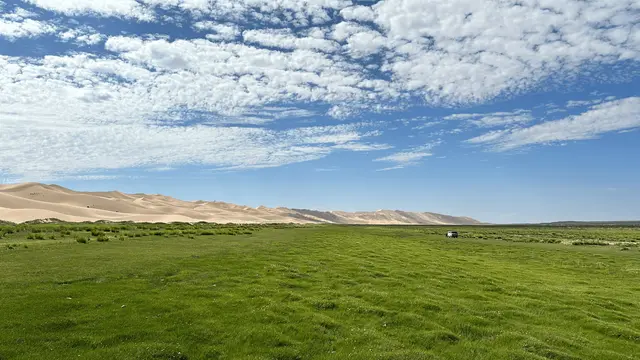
(204, 291)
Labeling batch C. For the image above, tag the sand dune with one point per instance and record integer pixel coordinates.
(32, 201)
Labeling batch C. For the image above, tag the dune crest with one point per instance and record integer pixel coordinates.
(32, 201)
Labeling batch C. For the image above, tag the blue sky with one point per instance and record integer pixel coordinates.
(506, 111)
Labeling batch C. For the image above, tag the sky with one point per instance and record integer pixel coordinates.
(505, 111)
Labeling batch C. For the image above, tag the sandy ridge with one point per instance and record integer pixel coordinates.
(32, 201)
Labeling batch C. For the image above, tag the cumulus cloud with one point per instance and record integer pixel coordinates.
(469, 51)
(358, 13)
(82, 36)
(18, 14)
(610, 116)
(117, 8)
(220, 31)
(13, 30)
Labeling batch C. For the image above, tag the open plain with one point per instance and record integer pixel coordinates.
(207, 291)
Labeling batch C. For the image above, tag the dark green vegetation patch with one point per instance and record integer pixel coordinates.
(206, 291)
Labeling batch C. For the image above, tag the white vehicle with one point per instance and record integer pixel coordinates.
(452, 234)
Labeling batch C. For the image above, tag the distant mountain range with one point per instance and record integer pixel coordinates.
(33, 201)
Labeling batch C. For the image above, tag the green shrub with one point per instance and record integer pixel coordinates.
(122, 238)
(31, 237)
(81, 240)
(102, 238)
(590, 242)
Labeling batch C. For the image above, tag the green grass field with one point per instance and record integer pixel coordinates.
(319, 292)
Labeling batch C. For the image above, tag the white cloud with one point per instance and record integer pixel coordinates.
(363, 147)
(18, 14)
(117, 8)
(405, 157)
(397, 167)
(326, 169)
(82, 36)
(556, 110)
(26, 28)
(285, 39)
(32, 150)
(428, 125)
(222, 31)
(460, 51)
(494, 119)
(610, 116)
(366, 43)
(162, 169)
(410, 157)
(358, 13)
(579, 103)
(297, 13)
(444, 51)
(347, 58)
(91, 177)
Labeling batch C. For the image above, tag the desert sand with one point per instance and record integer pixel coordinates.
(32, 201)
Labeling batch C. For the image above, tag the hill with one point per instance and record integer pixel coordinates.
(32, 201)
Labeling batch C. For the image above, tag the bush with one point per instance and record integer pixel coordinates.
(39, 237)
(590, 242)
(81, 240)
(102, 238)
(122, 238)
(96, 232)
(31, 237)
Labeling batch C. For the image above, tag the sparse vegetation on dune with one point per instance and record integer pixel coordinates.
(213, 291)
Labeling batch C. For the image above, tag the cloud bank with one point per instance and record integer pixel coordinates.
(104, 98)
